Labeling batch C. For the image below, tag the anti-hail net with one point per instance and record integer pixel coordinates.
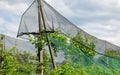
(106, 54)
(74, 54)
(55, 21)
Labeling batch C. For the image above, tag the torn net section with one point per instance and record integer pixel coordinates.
(56, 22)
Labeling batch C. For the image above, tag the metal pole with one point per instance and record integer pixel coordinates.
(46, 35)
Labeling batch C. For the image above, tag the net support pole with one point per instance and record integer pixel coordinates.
(51, 52)
(46, 35)
(40, 54)
(40, 58)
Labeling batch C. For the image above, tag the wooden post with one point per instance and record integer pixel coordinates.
(41, 20)
(40, 54)
(40, 58)
(46, 35)
(40, 10)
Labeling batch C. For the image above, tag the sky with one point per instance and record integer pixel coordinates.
(100, 18)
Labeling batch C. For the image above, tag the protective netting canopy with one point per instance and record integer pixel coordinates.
(56, 22)
(92, 64)
(85, 49)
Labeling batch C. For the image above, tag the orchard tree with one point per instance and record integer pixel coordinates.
(76, 49)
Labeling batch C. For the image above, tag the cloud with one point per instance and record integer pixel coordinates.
(107, 31)
(15, 9)
(7, 27)
(10, 13)
(18, 1)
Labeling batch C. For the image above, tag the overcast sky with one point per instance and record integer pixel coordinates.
(100, 18)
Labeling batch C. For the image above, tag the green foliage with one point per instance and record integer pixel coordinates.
(8, 66)
(112, 53)
(58, 37)
(38, 41)
(16, 63)
(98, 70)
(74, 51)
(66, 69)
(81, 42)
(46, 62)
(112, 63)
